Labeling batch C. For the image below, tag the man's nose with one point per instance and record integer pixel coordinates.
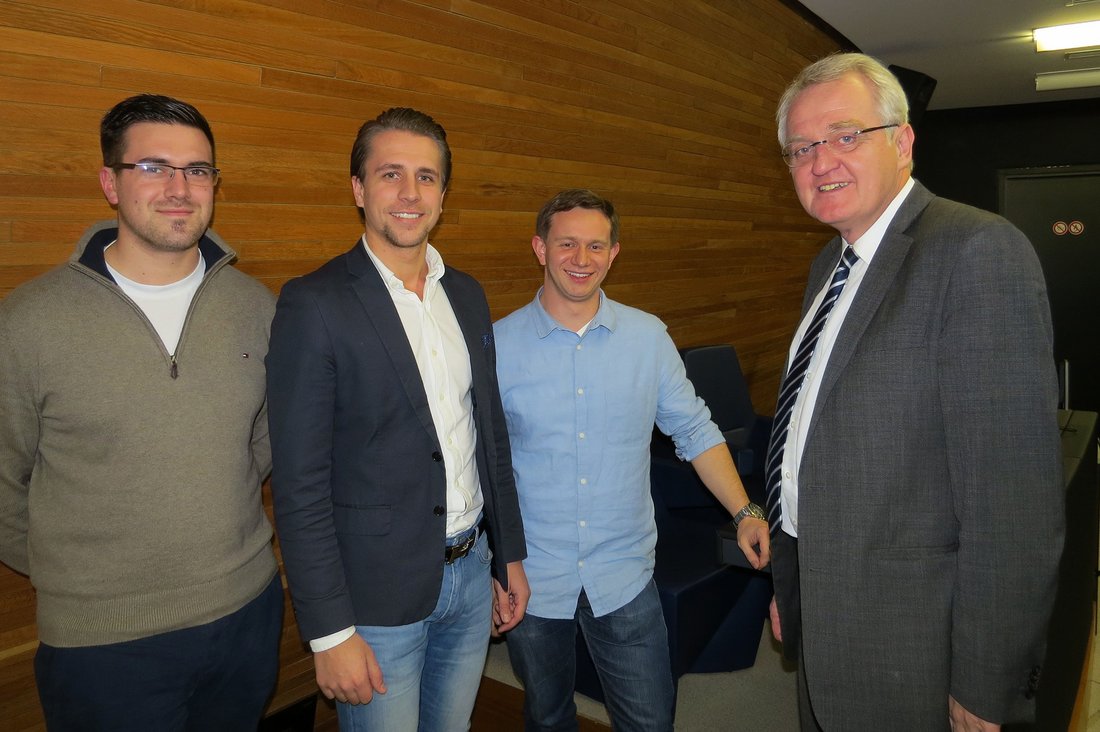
(825, 158)
(177, 184)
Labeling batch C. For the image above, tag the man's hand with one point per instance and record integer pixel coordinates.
(755, 541)
(509, 606)
(773, 615)
(964, 721)
(349, 672)
(718, 473)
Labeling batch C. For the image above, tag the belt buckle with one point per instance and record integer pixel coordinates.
(454, 553)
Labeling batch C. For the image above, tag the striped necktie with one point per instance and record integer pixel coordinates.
(792, 382)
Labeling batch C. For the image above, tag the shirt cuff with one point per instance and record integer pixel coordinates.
(695, 444)
(332, 640)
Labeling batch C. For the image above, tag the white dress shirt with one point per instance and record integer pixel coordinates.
(865, 248)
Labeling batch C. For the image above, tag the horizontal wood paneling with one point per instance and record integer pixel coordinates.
(664, 107)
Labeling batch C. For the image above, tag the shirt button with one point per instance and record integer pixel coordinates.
(580, 391)
(584, 481)
(439, 510)
(583, 524)
(580, 435)
(580, 563)
(787, 475)
(578, 346)
(437, 456)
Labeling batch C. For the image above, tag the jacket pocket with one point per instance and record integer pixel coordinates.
(361, 520)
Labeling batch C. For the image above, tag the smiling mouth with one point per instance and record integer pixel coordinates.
(405, 215)
(831, 187)
(579, 275)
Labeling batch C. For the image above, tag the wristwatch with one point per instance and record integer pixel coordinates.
(752, 510)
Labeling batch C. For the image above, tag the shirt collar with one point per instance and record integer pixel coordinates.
(867, 245)
(393, 282)
(545, 323)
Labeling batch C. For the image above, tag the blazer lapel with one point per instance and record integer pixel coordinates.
(370, 289)
(473, 332)
(883, 271)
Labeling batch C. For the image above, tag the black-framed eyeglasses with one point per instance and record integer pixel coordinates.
(798, 154)
(203, 176)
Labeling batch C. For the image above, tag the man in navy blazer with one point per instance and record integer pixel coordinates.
(916, 493)
(392, 472)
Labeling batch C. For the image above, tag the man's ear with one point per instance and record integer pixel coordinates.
(539, 247)
(108, 183)
(357, 190)
(904, 142)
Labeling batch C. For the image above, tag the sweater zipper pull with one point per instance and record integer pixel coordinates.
(174, 371)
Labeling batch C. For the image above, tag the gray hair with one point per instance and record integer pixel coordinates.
(890, 100)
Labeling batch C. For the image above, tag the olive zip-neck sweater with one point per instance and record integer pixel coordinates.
(130, 477)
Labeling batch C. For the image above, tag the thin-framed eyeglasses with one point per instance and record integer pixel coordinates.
(203, 176)
(798, 154)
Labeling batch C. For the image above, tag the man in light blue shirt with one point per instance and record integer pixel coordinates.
(583, 379)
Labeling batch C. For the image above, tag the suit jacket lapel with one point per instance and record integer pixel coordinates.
(473, 332)
(370, 289)
(878, 280)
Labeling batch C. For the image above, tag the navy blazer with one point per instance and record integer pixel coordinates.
(358, 480)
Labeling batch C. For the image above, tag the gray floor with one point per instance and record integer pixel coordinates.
(757, 698)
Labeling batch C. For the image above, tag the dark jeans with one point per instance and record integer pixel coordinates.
(213, 677)
(629, 648)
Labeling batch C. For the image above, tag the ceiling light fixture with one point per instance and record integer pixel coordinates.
(1079, 79)
(1090, 53)
(1061, 37)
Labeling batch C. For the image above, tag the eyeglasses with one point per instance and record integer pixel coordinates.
(201, 176)
(798, 154)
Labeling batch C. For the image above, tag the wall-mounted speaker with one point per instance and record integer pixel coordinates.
(918, 90)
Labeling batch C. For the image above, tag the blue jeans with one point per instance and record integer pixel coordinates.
(629, 648)
(432, 668)
(216, 676)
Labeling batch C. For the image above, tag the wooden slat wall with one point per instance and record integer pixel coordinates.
(667, 108)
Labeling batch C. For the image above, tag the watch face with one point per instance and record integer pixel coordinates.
(750, 510)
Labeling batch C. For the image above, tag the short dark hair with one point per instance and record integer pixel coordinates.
(570, 199)
(146, 108)
(407, 120)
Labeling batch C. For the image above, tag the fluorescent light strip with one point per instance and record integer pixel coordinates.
(1061, 37)
(1079, 79)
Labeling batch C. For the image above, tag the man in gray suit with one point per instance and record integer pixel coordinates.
(914, 477)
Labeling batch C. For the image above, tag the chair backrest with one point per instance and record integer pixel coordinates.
(716, 374)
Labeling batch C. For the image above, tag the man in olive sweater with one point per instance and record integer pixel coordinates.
(133, 442)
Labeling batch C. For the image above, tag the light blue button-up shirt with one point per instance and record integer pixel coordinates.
(580, 412)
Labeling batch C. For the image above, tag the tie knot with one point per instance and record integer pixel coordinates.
(849, 256)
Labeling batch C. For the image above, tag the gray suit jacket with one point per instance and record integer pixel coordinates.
(930, 489)
(359, 483)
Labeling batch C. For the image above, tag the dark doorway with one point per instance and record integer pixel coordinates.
(1059, 210)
